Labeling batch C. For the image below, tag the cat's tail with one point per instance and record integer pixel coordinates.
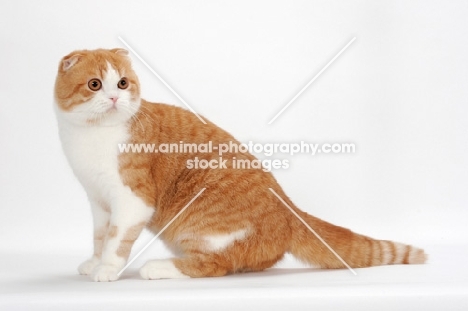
(355, 249)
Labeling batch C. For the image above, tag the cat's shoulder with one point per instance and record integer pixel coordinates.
(162, 107)
(167, 113)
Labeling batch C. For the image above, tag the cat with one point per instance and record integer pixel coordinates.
(236, 225)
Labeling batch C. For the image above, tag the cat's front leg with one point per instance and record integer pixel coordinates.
(101, 218)
(129, 215)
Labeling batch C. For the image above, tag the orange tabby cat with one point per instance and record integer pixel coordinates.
(236, 225)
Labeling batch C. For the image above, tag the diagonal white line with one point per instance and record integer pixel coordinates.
(160, 79)
(160, 232)
(311, 81)
(313, 231)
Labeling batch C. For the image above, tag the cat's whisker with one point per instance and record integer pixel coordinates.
(133, 115)
(135, 111)
(147, 115)
(139, 121)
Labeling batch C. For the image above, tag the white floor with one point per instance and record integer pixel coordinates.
(47, 282)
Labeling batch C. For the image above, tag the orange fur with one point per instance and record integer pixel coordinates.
(234, 199)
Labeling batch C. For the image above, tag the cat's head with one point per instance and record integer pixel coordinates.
(97, 87)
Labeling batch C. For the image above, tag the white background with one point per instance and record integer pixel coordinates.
(399, 93)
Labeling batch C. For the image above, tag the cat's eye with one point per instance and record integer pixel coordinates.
(94, 84)
(123, 83)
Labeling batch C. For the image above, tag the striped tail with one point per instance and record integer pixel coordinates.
(355, 249)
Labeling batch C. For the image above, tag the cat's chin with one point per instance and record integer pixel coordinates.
(111, 118)
(106, 120)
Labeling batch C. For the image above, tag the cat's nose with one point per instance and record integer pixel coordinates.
(114, 99)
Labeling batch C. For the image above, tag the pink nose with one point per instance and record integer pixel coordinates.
(114, 99)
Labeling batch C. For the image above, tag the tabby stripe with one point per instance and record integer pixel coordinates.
(407, 254)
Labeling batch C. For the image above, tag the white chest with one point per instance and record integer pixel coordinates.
(93, 155)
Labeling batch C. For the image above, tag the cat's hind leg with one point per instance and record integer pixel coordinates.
(202, 256)
(195, 266)
(161, 269)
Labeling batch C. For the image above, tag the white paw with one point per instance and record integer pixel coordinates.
(105, 273)
(88, 266)
(161, 269)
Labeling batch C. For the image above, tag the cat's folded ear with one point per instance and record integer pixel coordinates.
(119, 51)
(70, 60)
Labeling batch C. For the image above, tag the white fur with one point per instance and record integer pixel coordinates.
(105, 273)
(87, 267)
(375, 250)
(219, 242)
(161, 269)
(386, 252)
(414, 255)
(92, 151)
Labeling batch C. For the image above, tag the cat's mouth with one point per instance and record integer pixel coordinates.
(112, 109)
(98, 118)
